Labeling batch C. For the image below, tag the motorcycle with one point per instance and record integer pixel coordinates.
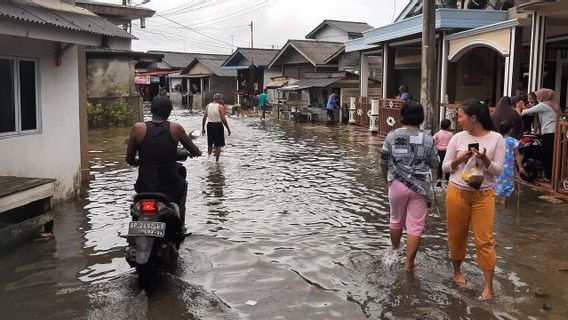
(530, 148)
(156, 230)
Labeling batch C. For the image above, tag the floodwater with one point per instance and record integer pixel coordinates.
(291, 224)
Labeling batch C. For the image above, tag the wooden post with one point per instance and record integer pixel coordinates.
(428, 74)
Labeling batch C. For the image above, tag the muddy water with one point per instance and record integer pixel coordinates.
(291, 224)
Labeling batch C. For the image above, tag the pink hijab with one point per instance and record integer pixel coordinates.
(547, 96)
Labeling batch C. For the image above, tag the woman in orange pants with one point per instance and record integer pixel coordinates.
(469, 203)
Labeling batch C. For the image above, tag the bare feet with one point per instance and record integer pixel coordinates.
(460, 280)
(47, 235)
(409, 267)
(487, 294)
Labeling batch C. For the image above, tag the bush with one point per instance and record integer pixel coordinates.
(120, 113)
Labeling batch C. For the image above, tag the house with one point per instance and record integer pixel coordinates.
(43, 127)
(203, 77)
(486, 50)
(154, 78)
(110, 72)
(338, 31)
(301, 61)
(253, 74)
(344, 31)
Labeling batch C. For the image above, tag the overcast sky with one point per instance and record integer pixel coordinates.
(216, 26)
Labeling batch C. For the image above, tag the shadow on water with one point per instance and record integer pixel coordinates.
(292, 223)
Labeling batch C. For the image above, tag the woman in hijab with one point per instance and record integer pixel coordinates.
(505, 112)
(547, 110)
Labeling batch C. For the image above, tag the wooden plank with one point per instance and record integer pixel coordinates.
(10, 184)
(20, 231)
(22, 198)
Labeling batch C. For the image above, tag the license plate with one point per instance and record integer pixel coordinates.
(147, 228)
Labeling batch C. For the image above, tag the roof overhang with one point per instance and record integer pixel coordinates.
(446, 19)
(138, 55)
(359, 45)
(115, 12)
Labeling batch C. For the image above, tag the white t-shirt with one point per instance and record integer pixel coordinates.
(213, 113)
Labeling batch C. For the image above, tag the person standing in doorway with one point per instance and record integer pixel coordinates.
(331, 105)
(214, 116)
(471, 201)
(407, 157)
(263, 103)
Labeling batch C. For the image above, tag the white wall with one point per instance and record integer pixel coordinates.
(55, 151)
(268, 75)
(332, 34)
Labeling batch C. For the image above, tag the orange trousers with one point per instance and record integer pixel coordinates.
(475, 208)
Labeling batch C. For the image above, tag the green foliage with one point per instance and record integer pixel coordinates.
(119, 113)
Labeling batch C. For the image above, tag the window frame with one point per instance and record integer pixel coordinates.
(17, 98)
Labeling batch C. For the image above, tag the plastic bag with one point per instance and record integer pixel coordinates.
(473, 173)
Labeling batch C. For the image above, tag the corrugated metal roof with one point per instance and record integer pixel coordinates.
(311, 83)
(180, 60)
(213, 65)
(349, 27)
(315, 52)
(61, 15)
(276, 83)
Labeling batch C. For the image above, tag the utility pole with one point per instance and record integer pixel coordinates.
(428, 72)
(251, 35)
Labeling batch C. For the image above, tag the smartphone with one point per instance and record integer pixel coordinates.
(473, 145)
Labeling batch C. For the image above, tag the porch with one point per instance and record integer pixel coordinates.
(25, 207)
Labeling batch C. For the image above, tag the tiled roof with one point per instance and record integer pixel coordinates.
(61, 15)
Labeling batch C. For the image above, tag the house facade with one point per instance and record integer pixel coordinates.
(203, 77)
(253, 74)
(43, 88)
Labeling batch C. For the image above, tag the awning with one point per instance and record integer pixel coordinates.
(142, 80)
(276, 84)
(158, 73)
(311, 83)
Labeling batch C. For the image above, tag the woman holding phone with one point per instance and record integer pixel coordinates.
(469, 204)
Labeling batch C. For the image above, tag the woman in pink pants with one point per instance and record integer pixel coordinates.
(407, 157)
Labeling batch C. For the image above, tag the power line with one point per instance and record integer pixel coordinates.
(193, 30)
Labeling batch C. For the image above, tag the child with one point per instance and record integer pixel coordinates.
(505, 184)
(441, 139)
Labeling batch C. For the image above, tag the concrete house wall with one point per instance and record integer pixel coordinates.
(110, 77)
(54, 151)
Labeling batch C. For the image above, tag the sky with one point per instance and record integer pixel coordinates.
(219, 26)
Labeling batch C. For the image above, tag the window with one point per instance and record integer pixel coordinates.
(19, 107)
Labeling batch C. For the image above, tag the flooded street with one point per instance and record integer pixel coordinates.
(291, 224)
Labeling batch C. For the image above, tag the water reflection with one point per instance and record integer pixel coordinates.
(293, 218)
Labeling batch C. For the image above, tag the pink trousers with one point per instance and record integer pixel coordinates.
(407, 209)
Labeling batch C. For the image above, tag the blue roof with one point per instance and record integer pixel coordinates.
(446, 19)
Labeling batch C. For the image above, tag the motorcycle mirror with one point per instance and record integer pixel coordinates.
(194, 134)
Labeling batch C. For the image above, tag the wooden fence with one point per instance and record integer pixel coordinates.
(362, 107)
(389, 115)
(560, 163)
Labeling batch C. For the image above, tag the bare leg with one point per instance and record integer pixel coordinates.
(412, 245)
(209, 150)
(395, 236)
(488, 284)
(458, 276)
(217, 153)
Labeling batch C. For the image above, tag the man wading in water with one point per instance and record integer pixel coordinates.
(214, 116)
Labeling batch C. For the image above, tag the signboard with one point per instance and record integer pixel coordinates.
(141, 80)
(154, 79)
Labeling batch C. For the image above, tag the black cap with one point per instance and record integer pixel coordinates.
(161, 106)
